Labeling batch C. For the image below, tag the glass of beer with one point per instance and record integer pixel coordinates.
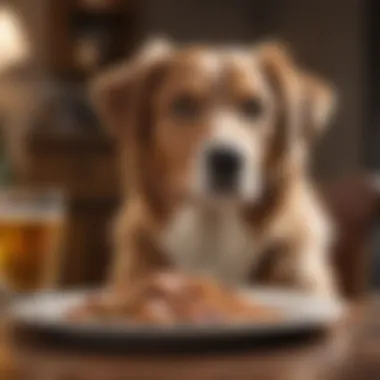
(31, 237)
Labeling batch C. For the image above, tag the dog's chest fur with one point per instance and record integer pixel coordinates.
(216, 243)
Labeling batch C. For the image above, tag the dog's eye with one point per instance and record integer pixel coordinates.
(251, 107)
(186, 107)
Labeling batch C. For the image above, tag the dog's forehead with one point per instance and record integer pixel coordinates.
(220, 64)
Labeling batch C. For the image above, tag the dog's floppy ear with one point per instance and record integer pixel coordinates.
(277, 65)
(307, 100)
(115, 93)
(320, 104)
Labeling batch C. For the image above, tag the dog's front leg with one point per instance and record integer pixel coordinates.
(136, 257)
(313, 269)
(302, 265)
(137, 254)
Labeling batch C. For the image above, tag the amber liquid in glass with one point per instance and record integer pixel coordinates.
(29, 251)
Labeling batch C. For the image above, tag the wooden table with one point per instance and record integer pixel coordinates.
(350, 352)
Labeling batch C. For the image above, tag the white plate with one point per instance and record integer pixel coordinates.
(42, 318)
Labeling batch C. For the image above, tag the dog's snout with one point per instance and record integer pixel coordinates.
(224, 164)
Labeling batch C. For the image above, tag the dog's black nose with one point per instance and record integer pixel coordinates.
(223, 164)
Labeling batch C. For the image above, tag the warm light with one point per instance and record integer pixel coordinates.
(13, 44)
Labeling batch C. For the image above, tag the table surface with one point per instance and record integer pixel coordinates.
(350, 352)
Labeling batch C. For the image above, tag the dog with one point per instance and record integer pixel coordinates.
(214, 145)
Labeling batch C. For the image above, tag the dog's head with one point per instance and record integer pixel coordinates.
(213, 123)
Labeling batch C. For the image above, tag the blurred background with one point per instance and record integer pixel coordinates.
(50, 137)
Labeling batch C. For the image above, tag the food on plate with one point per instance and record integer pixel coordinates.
(173, 298)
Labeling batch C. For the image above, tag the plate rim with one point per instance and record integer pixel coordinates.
(334, 310)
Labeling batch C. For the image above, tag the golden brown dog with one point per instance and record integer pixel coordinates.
(215, 145)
